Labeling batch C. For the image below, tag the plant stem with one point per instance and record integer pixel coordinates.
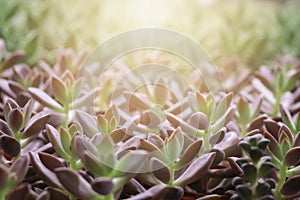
(276, 105)
(282, 176)
(172, 170)
(73, 164)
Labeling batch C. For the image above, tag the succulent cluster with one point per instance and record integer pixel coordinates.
(63, 136)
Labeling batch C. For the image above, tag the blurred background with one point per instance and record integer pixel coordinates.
(246, 33)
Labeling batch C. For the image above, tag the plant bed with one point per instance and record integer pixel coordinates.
(60, 139)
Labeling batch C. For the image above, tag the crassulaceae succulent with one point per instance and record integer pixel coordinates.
(273, 84)
(207, 117)
(12, 174)
(146, 136)
(21, 125)
(254, 183)
(67, 96)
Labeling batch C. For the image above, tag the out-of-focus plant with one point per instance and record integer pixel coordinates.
(254, 183)
(246, 112)
(15, 30)
(274, 83)
(288, 40)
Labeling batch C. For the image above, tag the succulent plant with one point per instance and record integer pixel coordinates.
(273, 84)
(254, 183)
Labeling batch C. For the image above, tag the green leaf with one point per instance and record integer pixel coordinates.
(131, 162)
(54, 138)
(59, 90)
(65, 138)
(243, 110)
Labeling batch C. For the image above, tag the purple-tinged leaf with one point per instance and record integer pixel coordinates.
(27, 111)
(93, 164)
(156, 140)
(292, 157)
(15, 87)
(174, 193)
(87, 122)
(35, 125)
(257, 84)
(291, 186)
(296, 140)
(220, 155)
(273, 145)
(257, 123)
(189, 154)
(10, 145)
(52, 193)
(272, 127)
(199, 120)
(15, 58)
(284, 129)
(160, 192)
(43, 172)
(265, 80)
(49, 161)
(175, 121)
(102, 185)
(44, 99)
(20, 168)
(3, 177)
(196, 169)
(23, 192)
(4, 128)
(160, 170)
(211, 197)
(4, 87)
(234, 166)
(36, 80)
(118, 135)
(74, 183)
(15, 119)
(217, 137)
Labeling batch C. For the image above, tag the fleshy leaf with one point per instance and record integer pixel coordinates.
(199, 120)
(10, 145)
(35, 125)
(196, 169)
(59, 90)
(189, 154)
(102, 185)
(291, 186)
(292, 157)
(160, 170)
(74, 183)
(15, 119)
(132, 162)
(44, 99)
